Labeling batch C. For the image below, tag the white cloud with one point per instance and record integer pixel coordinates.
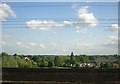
(78, 27)
(114, 27)
(50, 24)
(55, 32)
(77, 31)
(68, 23)
(24, 46)
(42, 25)
(87, 18)
(64, 50)
(84, 18)
(32, 44)
(88, 0)
(19, 43)
(3, 42)
(82, 31)
(42, 45)
(53, 44)
(113, 39)
(112, 42)
(82, 45)
(5, 11)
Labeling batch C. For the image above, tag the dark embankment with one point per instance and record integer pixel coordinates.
(60, 76)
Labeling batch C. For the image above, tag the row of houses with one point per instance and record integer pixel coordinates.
(98, 65)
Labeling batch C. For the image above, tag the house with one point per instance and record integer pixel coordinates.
(26, 58)
(115, 65)
(83, 64)
(91, 64)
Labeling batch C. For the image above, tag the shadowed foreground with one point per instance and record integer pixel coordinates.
(60, 76)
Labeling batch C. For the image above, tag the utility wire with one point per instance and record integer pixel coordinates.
(63, 5)
(63, 18)
(63, 23)
(54, 26)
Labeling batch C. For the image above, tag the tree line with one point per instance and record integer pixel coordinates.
(69, 61)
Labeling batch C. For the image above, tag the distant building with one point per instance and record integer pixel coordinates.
(91, 64)
(26, 58)
(115, 65)
(83, 64)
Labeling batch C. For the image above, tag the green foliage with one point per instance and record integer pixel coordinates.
(106, 65)
(4, 54)
(16, 62)
(118, 60)
(67, 63)
(9, 61)
(72, 59)
(72, 56)
(82, 59)
(15, 54)
(92, 58)
(0, 61)
(43, 63)
(77, 65)
(26, 64)
(35, 58)
(51, 64)
(59, 61)
(21, 61)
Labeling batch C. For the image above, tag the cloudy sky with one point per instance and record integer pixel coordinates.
(60, 0)
(59, 28)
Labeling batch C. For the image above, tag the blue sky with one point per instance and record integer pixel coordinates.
(60, 28)
(60, 0)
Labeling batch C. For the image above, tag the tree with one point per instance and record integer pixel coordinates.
(50, 64)
(72, 56)
(15, 54)
(77, 65)
(106, 65)
(67, 63)
(101, 65)
(72, 59)
(59, 61)
(118, 60)
(4, 54)
(92, 58)
(43, 63)
(9, 62)
(83, 59)
(38, 60)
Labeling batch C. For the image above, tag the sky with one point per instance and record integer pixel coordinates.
(59, 28)
(60, 0)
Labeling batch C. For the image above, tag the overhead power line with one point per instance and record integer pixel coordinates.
(61, 18)
(63, 5)
(63, 23)
(56, 26)
(55, 19)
